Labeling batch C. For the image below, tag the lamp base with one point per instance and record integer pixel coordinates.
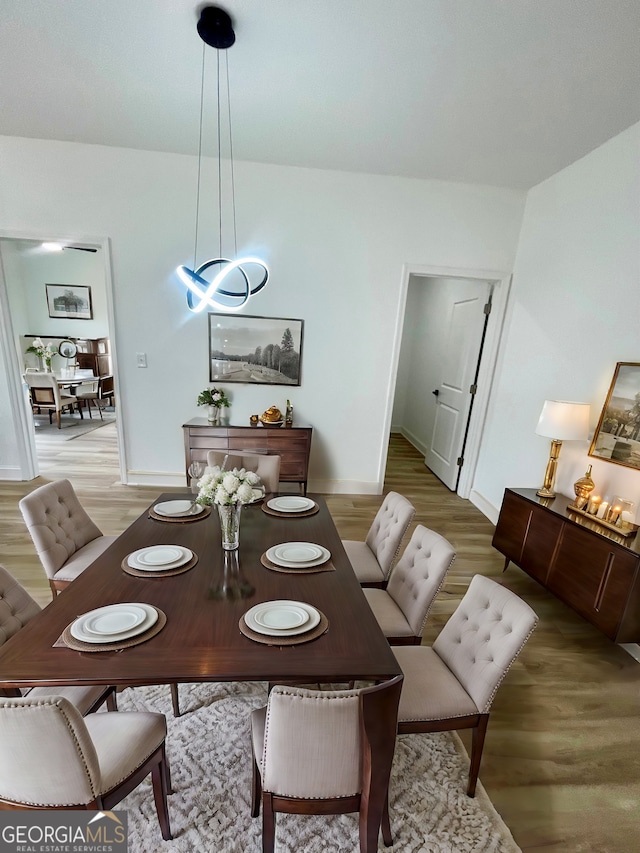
(546, 493)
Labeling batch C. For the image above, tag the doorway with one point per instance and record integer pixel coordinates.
(32, 274)
(447, 339)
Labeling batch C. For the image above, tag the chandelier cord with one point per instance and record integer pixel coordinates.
(219, 157)
(195, 244)
(233, 181)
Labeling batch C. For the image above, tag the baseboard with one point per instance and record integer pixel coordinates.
(414, 440)
(12, 473)
(153, 478)
(485, 506)
(343, 487)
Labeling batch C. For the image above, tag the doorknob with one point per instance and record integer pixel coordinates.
(435, 393)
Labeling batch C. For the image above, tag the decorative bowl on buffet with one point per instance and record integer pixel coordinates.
(272, 417)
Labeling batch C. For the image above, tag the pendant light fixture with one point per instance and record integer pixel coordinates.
(231, 285)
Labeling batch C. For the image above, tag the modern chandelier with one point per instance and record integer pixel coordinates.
(231, 286)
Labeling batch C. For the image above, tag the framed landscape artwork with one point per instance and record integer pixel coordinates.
(69, 301)
(257, 350)
(617, 436)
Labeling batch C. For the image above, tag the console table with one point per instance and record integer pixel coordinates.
(595, 572)
(291, 444)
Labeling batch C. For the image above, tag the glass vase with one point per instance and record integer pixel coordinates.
(213, 415)
(229, 515)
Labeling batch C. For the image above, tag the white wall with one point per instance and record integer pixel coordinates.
(335, 244)
(575, 304)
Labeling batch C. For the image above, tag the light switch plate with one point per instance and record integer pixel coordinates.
(141, 359)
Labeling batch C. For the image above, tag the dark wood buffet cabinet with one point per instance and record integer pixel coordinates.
(595, 572)
(292, 444)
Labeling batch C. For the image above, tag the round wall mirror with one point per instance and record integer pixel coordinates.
(67, 349)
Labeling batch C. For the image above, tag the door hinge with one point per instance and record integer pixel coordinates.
(473, 389)
(487, 308)
(460, 461)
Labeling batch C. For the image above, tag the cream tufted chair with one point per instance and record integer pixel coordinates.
(402, 608)
(16, 609)
(52, 758)
(373, 559)
(66, 539)
(325, 752)
(451, 684)
(266, 466)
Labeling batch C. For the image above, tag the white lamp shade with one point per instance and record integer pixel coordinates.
(564, 421)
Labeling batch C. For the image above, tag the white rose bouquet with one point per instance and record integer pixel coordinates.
(43, 351)
(229, 487)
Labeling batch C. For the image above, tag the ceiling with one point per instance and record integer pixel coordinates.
(500, 92)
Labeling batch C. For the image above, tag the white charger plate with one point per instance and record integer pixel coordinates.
(178, 509)
(146, 559)
(114, 620)
(291, 503)
(298, 552)
(273, 612)
(273, 554)
(79, 631)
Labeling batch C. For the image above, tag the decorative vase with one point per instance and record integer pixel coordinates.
(230, 525)
(583, 488)
(213, 415)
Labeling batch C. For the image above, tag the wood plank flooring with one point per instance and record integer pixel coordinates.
(561, 759)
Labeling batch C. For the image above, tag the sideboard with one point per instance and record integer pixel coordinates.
(292, 444)
(595, 572)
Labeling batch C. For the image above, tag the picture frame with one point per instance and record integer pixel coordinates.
(69, 301)
(255, 350)
(617, 436)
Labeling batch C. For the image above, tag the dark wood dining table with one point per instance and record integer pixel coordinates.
(201, 640)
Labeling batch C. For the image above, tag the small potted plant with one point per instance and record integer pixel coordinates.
(215, 399)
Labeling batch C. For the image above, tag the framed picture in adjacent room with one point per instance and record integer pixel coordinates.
(69, 301)
(255, 350)
(617, 436)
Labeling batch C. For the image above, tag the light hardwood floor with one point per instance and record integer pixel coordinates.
(561, 760)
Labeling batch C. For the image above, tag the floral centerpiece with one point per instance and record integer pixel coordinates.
(44, 351)
(229, 490)
(215, 399)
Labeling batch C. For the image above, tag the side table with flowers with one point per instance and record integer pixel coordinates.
(229, 491)
(215, 399)
(45, 352)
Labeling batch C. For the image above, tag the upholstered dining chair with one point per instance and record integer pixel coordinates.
(325, 752)
(16, 609)
(53, 758)
(66, 539)
(106, 395)
(266, 465)
(89, 392)
(451, 685)
(373, 559)
(402, 608)
(45, 393)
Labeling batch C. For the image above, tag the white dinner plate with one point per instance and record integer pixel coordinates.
(291, 503)
(114, 620)
(178, 509)
(272, 555)
(297, 552)
(80, 632)
(279, 612)
(155, 558)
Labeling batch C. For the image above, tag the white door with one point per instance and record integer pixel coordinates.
(465, 320)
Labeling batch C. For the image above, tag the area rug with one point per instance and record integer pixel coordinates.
(210, 758)
(72, 426)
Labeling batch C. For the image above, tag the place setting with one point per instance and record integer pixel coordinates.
(113, 627)
(179, 511)
(297, 557)
(159, 561)
(290, 506)
(283, 623)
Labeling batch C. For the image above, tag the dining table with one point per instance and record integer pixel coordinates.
(201, 638)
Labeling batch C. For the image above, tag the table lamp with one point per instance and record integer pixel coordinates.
(560, 421)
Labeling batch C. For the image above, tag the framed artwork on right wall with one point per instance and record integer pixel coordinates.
(617, 436)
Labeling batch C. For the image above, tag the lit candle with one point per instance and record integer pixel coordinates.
(602, 509)
(613, 515)
(594, 504)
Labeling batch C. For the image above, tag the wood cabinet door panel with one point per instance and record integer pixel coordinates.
(513, 523)
(540, 544)
(594, 577)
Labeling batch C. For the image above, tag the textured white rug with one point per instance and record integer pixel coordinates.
(210, 757)
(72, 426)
